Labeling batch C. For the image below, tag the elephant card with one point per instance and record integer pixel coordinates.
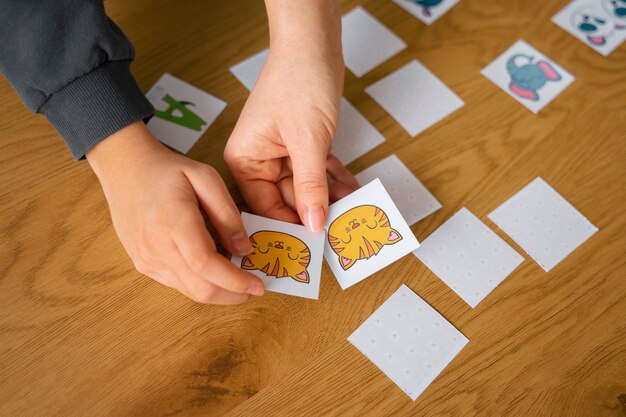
(528, 76)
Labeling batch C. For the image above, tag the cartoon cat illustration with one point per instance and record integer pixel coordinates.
(278, 255)
(426, 5)
(528, 77)
(360, 233)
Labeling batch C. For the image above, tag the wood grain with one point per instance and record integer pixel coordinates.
(82, 333)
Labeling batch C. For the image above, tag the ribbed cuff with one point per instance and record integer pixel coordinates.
(96, 105)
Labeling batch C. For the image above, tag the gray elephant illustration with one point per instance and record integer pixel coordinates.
(527, 77)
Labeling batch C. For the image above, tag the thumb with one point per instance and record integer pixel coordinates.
(308, 163)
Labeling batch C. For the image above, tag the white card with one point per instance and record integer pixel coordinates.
(543, 223)
(414, 97)
(426, 10)
(287, 257)
(601, 24)
(355, 134)
(365, 233)
(468, 256)
(528, 76)
(248, 71)
(411, 197)
(409, 341)
(183, 112)
(367, 43)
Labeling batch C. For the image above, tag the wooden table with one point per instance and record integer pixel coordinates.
(82, 333)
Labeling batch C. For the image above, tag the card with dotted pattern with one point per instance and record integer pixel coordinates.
(409, 341)
(543, 223)
(410, 196)
(414, 97)
(367, 43)
(468, 256)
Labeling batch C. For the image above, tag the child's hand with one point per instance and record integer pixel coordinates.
(279, 150)
(156, 197)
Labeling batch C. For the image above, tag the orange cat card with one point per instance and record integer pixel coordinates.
(365, 233)
(287, 257)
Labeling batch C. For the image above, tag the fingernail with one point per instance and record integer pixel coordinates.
(256, 289)
(241, 243)
(314, 217)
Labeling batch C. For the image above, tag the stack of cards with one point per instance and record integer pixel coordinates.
(409, 341)
(183, 112)
(600, 24)
(528, 76)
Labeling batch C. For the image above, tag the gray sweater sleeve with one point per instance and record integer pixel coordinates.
(70, 62)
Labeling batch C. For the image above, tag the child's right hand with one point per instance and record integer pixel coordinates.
(156, 197)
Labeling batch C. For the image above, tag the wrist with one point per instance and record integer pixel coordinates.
(305, 27)
(122, 150)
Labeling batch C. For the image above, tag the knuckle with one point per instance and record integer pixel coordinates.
(227, 214)
(208, 171)
(229, 154)
(200, 264)
(312, 184)
(322, 136)
(206, 295)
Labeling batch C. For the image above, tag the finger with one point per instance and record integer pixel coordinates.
(161, 279)
(196, 248)
(285, 186)
(184, 281)
(219, 207)
(207, 293)
(309, 180)
(337, 190)
(339, 172)
(265, 199)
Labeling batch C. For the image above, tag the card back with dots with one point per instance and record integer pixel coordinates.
(468, 256)
(414, 97)
(411, 197)
(355, 134)
(367, 43)
(409, 341)
(543, 223)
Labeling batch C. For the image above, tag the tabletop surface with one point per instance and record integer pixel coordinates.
(83, 333)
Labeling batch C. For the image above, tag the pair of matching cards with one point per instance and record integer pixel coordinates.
(365, 232)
